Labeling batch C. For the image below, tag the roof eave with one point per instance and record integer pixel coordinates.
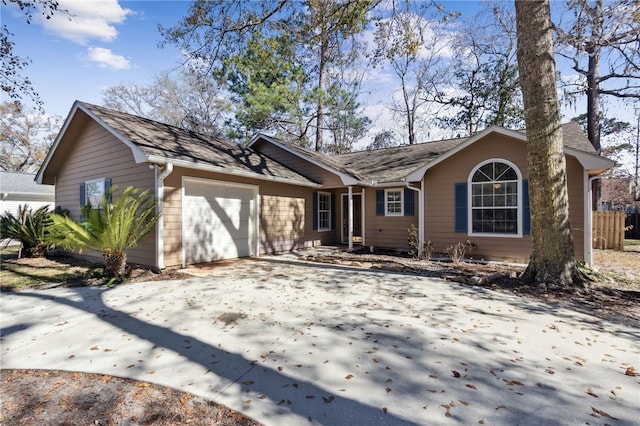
(138, 155)
(594, 164)
(418, 173)
(347, 180)
(227, 171)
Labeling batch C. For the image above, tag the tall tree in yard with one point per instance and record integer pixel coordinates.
(598, 31)
(552, 262)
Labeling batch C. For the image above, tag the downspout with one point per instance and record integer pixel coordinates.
(420, 192)
(588, 244)
(350, 216)
(160, 177)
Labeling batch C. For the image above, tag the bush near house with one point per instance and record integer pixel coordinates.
(29, 227)
(110, 228)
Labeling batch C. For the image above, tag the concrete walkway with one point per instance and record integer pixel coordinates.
(288, 343)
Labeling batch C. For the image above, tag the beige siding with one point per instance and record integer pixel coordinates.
(285, 215)
(575, 185)
(305, 168)
(98, 154)
(387, 231)
(440, 203)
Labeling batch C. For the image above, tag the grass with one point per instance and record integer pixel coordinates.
(16, 274)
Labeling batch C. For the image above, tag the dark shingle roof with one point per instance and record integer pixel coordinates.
(161, 140)
(393, 164)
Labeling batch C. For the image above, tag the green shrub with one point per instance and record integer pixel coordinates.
(111, 229)
(29, 227)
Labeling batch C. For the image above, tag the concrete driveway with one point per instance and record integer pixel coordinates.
(288, 343)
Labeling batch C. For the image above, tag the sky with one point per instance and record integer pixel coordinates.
(112, 42)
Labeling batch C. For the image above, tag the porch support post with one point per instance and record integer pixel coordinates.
(421, 218)
(350, 216)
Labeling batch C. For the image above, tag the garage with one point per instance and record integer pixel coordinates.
(219, 220)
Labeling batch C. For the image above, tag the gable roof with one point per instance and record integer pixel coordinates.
(408, 163)
(159, 143)
(23, 183)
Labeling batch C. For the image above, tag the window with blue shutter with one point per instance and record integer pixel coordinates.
(380, 202)
(460, 207)
(408, 202)
(526, 212)
(314, 204)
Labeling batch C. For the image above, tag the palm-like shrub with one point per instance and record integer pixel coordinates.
(29, 227)
(111, 228)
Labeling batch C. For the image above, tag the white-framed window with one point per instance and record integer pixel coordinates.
(94, 191)
(324, 211)
(495, 199)
(394, 202)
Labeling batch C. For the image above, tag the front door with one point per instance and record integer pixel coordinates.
(357, 218)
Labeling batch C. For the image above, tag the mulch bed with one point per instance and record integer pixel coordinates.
(43, 397)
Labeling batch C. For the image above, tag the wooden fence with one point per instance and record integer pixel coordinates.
(608, 229)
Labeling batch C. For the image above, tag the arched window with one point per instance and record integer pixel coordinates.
(495, 198)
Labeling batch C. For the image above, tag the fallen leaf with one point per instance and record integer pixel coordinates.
(328, 399)
(387, 389)
(349, 376)
(481, 422)
(501, 407)
(249, 382)
(455, 374)
(465, 403)
(470, 386)
(602, 413)
(95, 348)
(385, 409)
(310, 396)
(590, 392)
(631, 371)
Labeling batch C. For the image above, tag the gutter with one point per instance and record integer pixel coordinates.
(160, 177)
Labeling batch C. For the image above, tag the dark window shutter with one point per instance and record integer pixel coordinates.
(333, 211)
(107, 188)
(83, 195)
(461, 207)
(380, 202)
(526, 211)
(314, 204)
(408, 202)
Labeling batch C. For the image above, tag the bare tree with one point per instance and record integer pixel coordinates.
(484, 74)
(13, 82)
(593, 32)
(190, 101)
(552, 262)
(25, 137)
(411, 42)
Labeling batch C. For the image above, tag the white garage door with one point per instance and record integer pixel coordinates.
(219, 220)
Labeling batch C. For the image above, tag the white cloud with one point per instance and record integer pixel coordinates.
(105, 58)
(87, 20)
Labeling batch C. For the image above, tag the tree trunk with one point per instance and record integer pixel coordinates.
(593, 49)
(552, 262)
(115, 264)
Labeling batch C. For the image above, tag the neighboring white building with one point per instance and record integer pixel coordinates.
(21, 188)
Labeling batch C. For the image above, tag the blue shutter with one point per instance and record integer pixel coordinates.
(83, 195)
(461, 207)
(526, 211)
(107, 187)
(380, 202)
(333, 211)
(408, 202)
(314, 204)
